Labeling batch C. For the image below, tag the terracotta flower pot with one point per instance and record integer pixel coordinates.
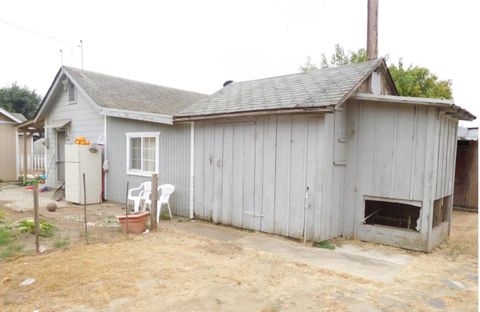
(137, 222)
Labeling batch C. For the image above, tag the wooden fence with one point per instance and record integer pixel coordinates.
(35, 163)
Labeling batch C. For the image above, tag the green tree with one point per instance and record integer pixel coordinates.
(420, 82)
(412, 81)
(339, 57)
(18, 99)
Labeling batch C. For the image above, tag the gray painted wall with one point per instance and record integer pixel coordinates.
(86, 121)
(253, 173)
(174, 160)
(396, 152)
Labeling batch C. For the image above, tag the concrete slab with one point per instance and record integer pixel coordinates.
(371, 265)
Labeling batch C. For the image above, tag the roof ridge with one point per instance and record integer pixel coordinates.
(68, 68)
(375, 61)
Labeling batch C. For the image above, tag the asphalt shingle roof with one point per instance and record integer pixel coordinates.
(119, 93)
(317, 88)
(20, 117)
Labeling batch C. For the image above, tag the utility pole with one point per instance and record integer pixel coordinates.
(372, 30)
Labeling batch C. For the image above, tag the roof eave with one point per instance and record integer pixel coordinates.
(457, 111)
(10, 115)
(254, 113)
(143, 116)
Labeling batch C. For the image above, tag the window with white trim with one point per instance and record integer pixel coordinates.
(142, 153)
(72, 93)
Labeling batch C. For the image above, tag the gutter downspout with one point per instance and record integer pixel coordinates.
(192, 164)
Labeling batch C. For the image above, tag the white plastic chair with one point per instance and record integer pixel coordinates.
(164, 191)
(143, 193)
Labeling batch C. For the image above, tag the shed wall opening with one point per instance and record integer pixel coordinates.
(440, 210)
(394, 214)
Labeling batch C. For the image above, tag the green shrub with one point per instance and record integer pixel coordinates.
(10, 251)
(5, 235)
(28, 226)
(61, 243)
(325, 244)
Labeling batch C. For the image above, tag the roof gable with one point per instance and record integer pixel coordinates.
(15, 117)
(114, 96)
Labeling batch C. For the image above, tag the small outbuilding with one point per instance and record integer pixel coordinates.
(466, 170)
(12, 143)
(327, 153)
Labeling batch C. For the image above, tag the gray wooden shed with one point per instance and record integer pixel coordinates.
(326, 153)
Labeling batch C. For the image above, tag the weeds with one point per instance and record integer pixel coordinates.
(10, 251)
(28, 226)
(5, 235)
(61, 243)
(8, 247)
(325, 244)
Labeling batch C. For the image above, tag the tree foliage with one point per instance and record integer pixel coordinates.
(420, 82)
(410, 81)
(18, 99)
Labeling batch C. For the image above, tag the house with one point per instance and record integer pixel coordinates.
(326, 153)
(12, 145)
(466, 170)
(133, 121)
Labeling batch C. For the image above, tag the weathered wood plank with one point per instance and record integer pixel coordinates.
(227, 174)
(297, 176)
(238, 178)
(259, 174)
(217, 174)
(208, 170)
(405, 152)
(249, 213)
(282, 181)
(198, 189)
(385, 150)
(269, 174)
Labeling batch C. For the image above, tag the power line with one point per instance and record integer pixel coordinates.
(37, 33)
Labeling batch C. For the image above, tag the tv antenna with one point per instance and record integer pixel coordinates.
(61, 57)
(81, 52)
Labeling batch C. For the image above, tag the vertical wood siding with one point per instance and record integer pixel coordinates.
(253, 173)
(85, 121)
(174, 158)
(399, 152)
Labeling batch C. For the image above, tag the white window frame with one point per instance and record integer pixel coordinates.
(142, 135)
(71, 85)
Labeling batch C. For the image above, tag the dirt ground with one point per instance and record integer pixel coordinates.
(175, 270)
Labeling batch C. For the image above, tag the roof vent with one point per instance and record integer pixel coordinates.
(226, 83)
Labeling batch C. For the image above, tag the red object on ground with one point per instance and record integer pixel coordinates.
(137, 223)
(29, 187)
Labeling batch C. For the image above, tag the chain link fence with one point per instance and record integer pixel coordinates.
(60, 226)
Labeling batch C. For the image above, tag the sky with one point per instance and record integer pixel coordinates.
(197, 45)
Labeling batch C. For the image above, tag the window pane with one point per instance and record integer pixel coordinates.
(149, 154)
(135, 153)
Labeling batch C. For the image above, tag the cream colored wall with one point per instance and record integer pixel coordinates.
(7, 152)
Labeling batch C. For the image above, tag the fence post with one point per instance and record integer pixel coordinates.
(154, 198)
(25, 157)
(35, 217)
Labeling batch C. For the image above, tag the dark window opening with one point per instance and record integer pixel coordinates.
(398, 215)
(440, 210)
